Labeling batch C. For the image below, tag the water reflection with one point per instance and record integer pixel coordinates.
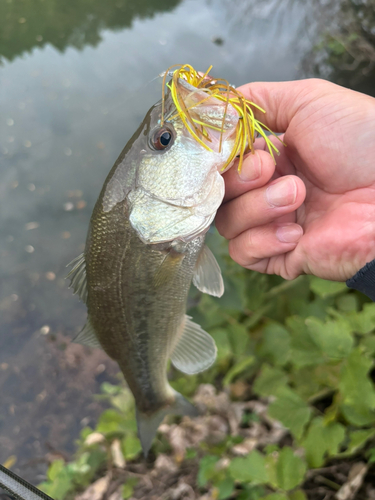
(27, 24)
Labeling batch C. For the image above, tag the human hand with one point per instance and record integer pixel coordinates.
(315, 212)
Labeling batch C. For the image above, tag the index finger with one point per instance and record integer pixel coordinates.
(281, 100)
(258, 168)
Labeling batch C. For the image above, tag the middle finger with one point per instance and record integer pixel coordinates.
(260, 206)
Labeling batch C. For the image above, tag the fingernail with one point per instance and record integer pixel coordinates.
(250, 168)
(282, 193)
(289, 234)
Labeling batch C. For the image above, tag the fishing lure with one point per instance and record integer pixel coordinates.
(248, 126)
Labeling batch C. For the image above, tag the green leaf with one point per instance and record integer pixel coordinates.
(347, 302)
(60, 481)
(272, 451)
(290, 469)
(56, 467)
(358, 394)
(249, 469)
(96, 458)
(371, 455)
(305, 382)
(324, 288)
(357, 440)
(275, 345)
(291, 411)
(297, 495)
(276, 496)
(333, 338)
(251, 493)
(237, 369)
(207, 469)
(322, 440)
(208, 313)
(221, 338)
(85, 432)
(185, 385)
(123, 401)
(190, 453)
(234, 297)
(225, 487)
(239, 338)
(110, 389)
(304, 350)
(128, 488)
(110, 421)
(80, 468)
(269, 381)
(131, 446)
(364, 321)
(368, 344)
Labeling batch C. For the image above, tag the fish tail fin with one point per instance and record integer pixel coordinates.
(148, 424)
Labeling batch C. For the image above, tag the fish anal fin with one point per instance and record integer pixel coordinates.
(168, 268)
(148, 423)
(207, 274)
(195, 351)
(87, 336)
(78, 279)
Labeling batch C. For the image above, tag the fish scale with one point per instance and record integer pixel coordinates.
(142, 324)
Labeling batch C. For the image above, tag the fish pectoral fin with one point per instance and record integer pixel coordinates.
(196, 349)
(207, 274)
(87, 336)
(148, 424)
(78, 279)
(168, 268)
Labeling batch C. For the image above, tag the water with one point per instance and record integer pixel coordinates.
(75, 81)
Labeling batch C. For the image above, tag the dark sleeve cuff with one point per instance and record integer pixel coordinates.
(364, 280)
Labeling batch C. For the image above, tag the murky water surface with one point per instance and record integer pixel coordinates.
(76, 79)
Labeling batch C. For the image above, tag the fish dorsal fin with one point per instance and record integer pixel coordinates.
(87, 336)
(195, 351)
(207, 274)
(77, 275)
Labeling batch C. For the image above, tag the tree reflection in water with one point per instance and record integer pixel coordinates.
(25, 24)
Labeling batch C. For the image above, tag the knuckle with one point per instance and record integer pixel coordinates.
(220, 223)
(236, 253)
(241, 250)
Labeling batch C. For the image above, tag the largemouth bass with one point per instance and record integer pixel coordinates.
(145, 246)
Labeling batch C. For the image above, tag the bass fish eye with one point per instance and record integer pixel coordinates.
(162, 139)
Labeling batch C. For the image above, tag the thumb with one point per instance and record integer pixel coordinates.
(283, 100)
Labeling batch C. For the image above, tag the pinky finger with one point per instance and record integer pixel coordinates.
(254, 247)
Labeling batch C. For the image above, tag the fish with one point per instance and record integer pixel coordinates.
(18, 487)
(145, 243)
